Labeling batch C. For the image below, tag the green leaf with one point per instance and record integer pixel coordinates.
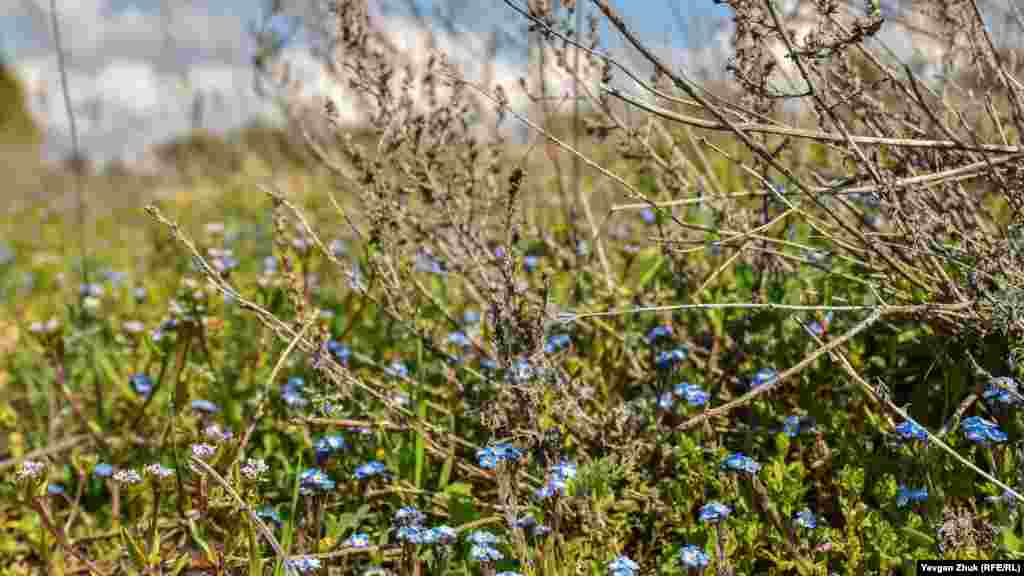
(745, 278)
(918, 537)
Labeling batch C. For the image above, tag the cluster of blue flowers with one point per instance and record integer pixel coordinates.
(490, 456)
(327, 446)
(483, 547)
(409, 528)
(911, 430)
(741, 463)
(981, 431)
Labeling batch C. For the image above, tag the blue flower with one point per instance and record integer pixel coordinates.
(139, 293)
(103, 470)
(905, 495)
(648, 216)
(328, 445)
(371, 468)
(440, 535)
(314, 480)
(54, 489)
(660, 331)
(564, 470)
(666, 401)
(763, 376)
(482, 538)
(470, 317)
(484, 554)
(805, 519)
(693, 394)
(409, 516)
(357, 540)
(982, 431)
(1003, 390)
(397, 369)
(508, 573)
(92, 290)
(819, 328)
(910, 430)
(530, 263)
(304, 564)
(268, 513)
(556, 343)
(459, 339)
(412, 534)
(488, 364)
(741, 463)
(490, 456)
(791, 426)
(269, 265)
(340, 351)
(204, 406)
(693, 557)
(142, 384)
(714, 512)
(292, 393)
(668, 358)
(622, 566)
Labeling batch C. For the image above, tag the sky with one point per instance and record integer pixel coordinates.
(134, 66)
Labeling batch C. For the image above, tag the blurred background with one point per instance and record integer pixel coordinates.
(159, 89)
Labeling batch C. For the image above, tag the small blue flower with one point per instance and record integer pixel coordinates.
(668, 358)
(544, 492)
(1003, 390)
(480, 553)
(269, 265)
(693, 557)
(556, 343)
(714, 512)
(411, 534)
(397, 369)
(490, 456)
(905, 495)
(622, 566)
(142, 384)
(791, 426)
(692, 393)
(482, 538)
(139, 293)
(648, 216)
(805, 519)
(530, 263)
(409, 516)
(508, 573)
(564, 470)
(304, 564)
(341, 352)
(460, 340)
(314, 480)
(540, 530)
(470, 317)
(371, 468)
(763, 376)
(981, 431)
(741, 463)
(91, 290)
(819, 328)
(441, 535)
(357, 540)
(103, 470)
(328, 445)
(54, 489)
(660, 331)
(488, 364)
(666, 401)
(910, 430)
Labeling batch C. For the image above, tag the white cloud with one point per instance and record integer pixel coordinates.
(129, 84)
